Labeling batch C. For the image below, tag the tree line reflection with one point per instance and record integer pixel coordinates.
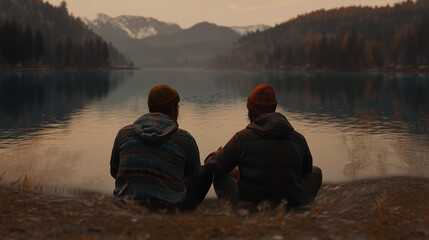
(335, 96)
(29, 101)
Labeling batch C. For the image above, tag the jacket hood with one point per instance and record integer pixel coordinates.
(155, 128)
(271, 125)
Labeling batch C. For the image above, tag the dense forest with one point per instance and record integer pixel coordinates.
(344, 38)
(33, 32)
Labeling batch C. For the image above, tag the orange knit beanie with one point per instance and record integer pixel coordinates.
(162, 97)
(262, 100)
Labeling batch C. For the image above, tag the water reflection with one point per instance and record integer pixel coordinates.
(357, 124)
(381, 118)
(334, 97)
(30, 102)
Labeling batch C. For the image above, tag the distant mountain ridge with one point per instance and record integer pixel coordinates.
(153, 43)
(243, 30)
(135, 27)
(139, 27)
(199, 33)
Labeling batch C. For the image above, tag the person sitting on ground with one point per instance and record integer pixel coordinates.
(156, 163)
(274, 161)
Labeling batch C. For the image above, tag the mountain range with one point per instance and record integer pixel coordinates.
(153, 43)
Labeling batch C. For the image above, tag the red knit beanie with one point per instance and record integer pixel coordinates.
(262, 100)
(162, 97)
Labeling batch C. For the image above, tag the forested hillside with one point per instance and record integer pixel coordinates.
(192, 47)
(343, 38)
(33, 32)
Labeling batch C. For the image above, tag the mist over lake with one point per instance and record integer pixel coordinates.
(58, 127)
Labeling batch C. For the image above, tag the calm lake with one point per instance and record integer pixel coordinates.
(57, 128)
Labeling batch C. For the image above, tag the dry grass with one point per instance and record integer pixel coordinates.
(392, 208)
(423, 118)
(413, 155)
(366, 151)
(40, 166)
(362, 147)
(359, 149)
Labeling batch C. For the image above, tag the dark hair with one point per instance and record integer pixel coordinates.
(251, 116)
(173, 112)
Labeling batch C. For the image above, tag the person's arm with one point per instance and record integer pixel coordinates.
(307, 164)
(114, 159)
(226, 159)
(307, 159)
(193, 162)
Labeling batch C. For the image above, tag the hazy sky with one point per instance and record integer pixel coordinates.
(222, 12)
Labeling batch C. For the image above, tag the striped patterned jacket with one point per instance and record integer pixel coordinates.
(152, 158)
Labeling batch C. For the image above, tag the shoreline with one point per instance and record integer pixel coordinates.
(40, 69)
(59, 191)
(374, 70)
(393, 207)
(363, 70)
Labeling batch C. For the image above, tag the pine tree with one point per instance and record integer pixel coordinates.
(105, 54)
(59, 53)
(39, 45)
(68, 50)
(29, 44)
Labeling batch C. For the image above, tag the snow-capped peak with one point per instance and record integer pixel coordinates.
(103, 18)
(243, 30)
(135, 26)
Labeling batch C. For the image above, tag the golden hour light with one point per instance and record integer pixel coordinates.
(239, 119)
(223, 12)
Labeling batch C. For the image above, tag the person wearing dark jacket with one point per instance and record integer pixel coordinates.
(155, 162)
(274, 161)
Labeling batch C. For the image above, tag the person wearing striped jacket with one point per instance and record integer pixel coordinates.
(274, 161)
(155, 162)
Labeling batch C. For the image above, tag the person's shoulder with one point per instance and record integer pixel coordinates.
(184, 139)
(126, 130)
(298, 138)
(246, 135)
(182, 133)
(243, 132)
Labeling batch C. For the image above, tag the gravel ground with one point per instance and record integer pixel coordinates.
(392, 208)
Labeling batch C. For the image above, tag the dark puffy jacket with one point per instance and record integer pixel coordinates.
(152, 158)
(272, 158)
